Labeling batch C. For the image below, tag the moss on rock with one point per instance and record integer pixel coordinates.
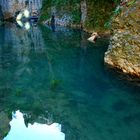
(97, 13)
(124, 49)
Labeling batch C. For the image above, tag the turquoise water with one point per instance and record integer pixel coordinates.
(60, 77)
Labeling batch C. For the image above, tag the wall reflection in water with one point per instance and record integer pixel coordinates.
(43, 73)
(60, 77)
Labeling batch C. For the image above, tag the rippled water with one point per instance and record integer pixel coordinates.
(60, 78)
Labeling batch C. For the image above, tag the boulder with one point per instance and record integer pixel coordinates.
(124, 49)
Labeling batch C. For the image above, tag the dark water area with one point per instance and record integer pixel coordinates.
(60, 77)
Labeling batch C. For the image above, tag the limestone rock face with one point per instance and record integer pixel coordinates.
(68, 15)
(124, 49)
(83, 11)
(10, 7)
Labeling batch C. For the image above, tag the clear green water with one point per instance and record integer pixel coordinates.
(59, 77)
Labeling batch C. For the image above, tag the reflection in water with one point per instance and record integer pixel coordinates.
(34, 131)
(53, 23)
(23, 25)
(53, 27)
(22, 19)
(20, 23)
(60, 77)
(27, 26)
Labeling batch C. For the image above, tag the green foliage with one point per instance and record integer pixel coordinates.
(76, 14)
(131, 2)
(98, 12)
(18, 92)
(63, 7)
(108, 24)
(55, 83)
(116, 1)
(115, 12)
(44, 11)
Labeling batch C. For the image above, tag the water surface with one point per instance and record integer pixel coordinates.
(60, 78)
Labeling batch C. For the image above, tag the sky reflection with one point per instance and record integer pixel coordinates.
(37, 131)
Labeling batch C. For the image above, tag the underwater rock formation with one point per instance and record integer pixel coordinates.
(124, 49)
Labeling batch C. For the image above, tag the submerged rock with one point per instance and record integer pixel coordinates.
(124, 49)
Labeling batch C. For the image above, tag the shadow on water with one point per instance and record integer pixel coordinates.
(59, 77)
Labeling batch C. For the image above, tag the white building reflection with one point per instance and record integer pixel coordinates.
(34, 131)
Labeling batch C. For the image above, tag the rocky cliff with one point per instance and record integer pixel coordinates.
(124, 49)
(11, 7)
(90, 14)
